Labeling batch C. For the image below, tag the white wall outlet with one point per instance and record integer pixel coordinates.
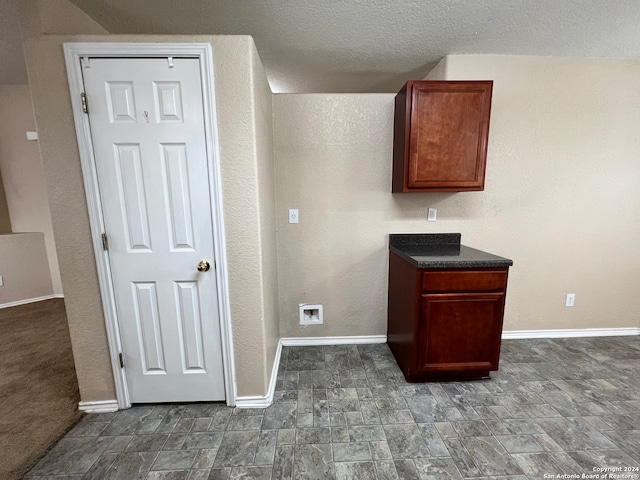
(1, 281)
(293, 215)
(310, 314)
(431, 217)
(571, 300)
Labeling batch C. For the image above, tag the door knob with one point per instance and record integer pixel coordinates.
(203, 266)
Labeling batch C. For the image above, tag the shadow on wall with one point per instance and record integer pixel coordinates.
(5, 221)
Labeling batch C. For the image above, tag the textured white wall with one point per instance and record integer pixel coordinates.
(560, 197)
(22, 172)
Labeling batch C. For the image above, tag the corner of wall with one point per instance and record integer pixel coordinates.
(263, 100)
(25, 189)
(24, 285)
(244, 111)
(5, 220)
(439, 72)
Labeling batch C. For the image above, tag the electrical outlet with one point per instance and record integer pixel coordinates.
(293, 215)
(571, 300)
(431, 217)
(1, 281)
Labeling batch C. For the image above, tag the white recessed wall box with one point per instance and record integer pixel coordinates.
(310, 314)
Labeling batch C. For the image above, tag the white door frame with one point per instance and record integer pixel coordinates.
(73, 53)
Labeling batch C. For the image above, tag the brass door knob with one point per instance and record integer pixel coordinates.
(203, 266)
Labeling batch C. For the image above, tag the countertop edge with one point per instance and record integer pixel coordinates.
(438, 262)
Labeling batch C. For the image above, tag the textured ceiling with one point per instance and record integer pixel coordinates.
(375, 45)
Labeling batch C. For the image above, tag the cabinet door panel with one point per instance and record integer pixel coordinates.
(460, 332)
(444, 137)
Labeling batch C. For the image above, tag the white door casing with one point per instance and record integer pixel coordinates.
(157, 181)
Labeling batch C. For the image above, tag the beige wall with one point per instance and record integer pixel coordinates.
(439, 72)
(21, 167)
(560, 198)
(59, 151)
(563, 152)
(334, 163)
(263, 101)
(24, 267)
(245, 153)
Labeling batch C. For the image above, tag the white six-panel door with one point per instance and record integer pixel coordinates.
(147, 128)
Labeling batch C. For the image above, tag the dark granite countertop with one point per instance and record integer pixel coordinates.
(442, 250)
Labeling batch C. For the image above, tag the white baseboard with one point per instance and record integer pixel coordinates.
(100, 406)
(351, 340)
(569, 333)
(29, 300)
(254, 402)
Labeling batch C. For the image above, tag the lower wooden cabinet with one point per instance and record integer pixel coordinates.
(445, 324)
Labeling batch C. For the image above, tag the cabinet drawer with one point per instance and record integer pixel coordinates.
(464, 281)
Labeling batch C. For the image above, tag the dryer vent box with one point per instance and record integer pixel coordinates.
(310, 314)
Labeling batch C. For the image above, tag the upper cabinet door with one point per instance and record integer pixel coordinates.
(440, 136)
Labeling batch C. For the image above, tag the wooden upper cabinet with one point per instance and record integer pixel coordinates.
(441, 130)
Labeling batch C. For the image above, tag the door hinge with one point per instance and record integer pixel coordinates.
(105, 242)
(83, 99)
(121, 358)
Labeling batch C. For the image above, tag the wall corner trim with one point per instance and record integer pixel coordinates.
(100, 406)
(570, 333)
(266, 400)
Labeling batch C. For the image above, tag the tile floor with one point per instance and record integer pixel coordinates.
(565, 406)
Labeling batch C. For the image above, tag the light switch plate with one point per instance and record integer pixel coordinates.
(431, 217)
(1, 281)
(570, 300)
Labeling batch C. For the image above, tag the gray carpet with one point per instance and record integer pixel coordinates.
(38, 385)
